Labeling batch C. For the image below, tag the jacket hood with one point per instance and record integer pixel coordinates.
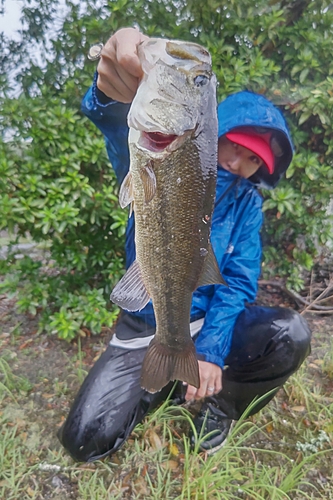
(247, 109)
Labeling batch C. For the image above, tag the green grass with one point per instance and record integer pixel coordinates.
(14, 471)
(10, 383)
(284, 452)
(328, 360)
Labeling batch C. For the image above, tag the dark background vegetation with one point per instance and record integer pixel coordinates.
(57, 187)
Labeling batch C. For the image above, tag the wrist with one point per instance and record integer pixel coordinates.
(101, 97)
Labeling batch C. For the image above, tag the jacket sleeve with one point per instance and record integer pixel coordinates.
(111, 119)
(241, 271)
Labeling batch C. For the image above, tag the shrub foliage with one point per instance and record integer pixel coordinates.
(56, 183)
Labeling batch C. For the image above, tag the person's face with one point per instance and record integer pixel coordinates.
(237, 159)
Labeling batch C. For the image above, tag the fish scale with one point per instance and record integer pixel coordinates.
(176, 268)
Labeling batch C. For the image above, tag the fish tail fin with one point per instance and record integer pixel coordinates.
(163, 364)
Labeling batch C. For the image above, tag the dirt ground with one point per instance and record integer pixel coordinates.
(53, 371)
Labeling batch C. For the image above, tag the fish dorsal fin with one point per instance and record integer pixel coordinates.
(130, 292)
(148, 178)
(126, 191)
(210, 274)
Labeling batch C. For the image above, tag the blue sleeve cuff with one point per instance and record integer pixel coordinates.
(99, 97)
(216, 360)
(104, 112)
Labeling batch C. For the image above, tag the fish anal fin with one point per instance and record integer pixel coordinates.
(148, 179)
(126, 191)
(210, 274)
(163, 364)
(130, 292)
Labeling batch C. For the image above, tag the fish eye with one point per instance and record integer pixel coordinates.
(201, 80)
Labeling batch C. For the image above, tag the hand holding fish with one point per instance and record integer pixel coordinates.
(210, 382)
(119, 69)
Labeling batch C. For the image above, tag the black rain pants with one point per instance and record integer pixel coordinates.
(268, 345)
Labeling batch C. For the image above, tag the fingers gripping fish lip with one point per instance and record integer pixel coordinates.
(172, 95)
(187, 54)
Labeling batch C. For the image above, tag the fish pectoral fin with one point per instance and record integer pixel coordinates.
(130, 292)
(148, 179)
(126, 191)
(210, 274)
(163, 364)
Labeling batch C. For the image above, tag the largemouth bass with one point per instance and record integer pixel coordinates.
(171, 187)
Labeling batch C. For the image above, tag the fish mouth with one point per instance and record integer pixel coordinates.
(156, 141)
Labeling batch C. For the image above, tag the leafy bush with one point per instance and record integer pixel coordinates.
(57, 186)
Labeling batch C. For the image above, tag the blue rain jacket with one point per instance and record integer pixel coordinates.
(237, 216)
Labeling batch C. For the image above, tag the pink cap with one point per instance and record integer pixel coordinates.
(258, 143)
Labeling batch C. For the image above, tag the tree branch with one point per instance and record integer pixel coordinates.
(297, 297)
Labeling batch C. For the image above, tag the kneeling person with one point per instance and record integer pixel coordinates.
(243, 351)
